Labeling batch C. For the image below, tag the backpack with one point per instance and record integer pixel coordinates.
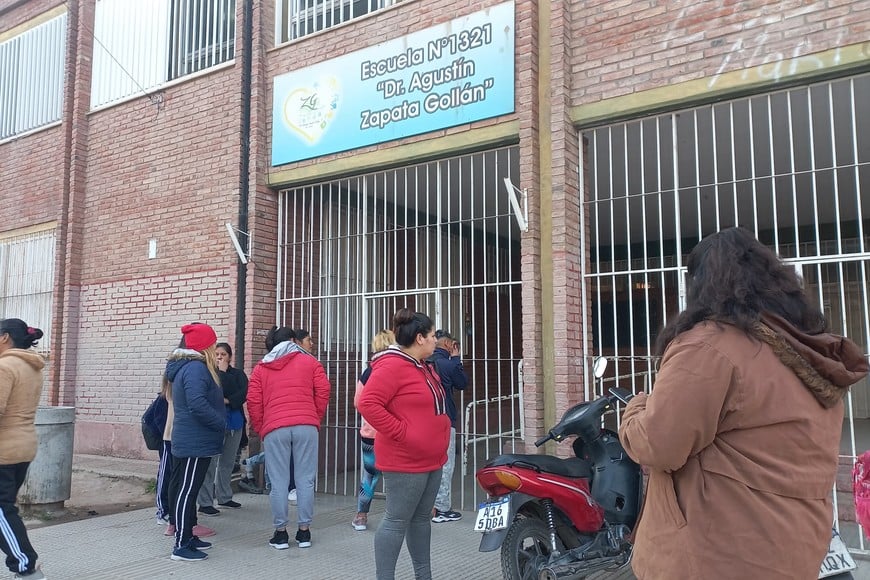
(153, 423)
(861, 489)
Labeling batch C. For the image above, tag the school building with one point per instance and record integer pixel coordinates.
(530, 173)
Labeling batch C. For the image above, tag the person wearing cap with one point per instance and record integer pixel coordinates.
(199, 421)
(449, 366)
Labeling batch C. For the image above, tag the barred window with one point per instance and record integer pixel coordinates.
(31, 78)
(27, 279)
(202, 33)
(297, 18)
(139, 46)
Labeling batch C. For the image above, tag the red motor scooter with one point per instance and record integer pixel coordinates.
(560, 518)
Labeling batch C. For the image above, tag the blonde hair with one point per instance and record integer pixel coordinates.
(166, 387)
(382, 340)
(211, 363)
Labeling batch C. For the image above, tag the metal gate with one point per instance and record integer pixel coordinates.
(792, 166)
(438, 237)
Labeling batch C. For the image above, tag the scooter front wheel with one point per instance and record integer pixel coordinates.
(526, 548)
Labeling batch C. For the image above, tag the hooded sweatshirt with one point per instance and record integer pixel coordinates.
(20, 389)
(741, 438)
(199, 417)
(287, 388)
(404, 401)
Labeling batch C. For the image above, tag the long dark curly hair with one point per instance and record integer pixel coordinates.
(734, 278)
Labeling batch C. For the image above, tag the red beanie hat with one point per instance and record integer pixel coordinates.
(198, 336)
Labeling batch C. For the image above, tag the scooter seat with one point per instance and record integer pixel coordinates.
(572, 467)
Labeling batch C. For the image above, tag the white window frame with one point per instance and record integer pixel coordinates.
(31, 77)
(141, 46)
(27, 259)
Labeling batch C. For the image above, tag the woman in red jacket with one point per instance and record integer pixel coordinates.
(405, 403)
(287, 398)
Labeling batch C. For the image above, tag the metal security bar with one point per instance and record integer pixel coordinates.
(297, 18)
(792, 166)
(141, 45)
(438, 237)
(31, 78)
(202, 34)
(27, 280)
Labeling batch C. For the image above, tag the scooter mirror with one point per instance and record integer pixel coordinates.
(599, 365)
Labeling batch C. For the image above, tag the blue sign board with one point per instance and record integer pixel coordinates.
(454, 73)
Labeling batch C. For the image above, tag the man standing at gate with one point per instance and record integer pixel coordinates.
(449, 367)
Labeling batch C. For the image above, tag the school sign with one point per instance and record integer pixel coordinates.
(454, 73)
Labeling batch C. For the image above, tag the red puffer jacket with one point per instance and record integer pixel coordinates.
(290, 390)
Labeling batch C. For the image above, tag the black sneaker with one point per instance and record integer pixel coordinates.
(303, 538)
(198, 544)
(188, 554)
(446, 516)
(231, 504)
(280, 541)
(208, 510)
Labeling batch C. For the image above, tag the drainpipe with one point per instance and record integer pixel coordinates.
(244, 179)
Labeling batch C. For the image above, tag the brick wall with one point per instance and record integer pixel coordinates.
(624, 46)
(169, 174)
(14, 13)
(31, 168)
(263, 207)
(127, 329)
(31, 179)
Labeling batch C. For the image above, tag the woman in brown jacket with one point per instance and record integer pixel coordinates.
(20, 388)
(741, 433)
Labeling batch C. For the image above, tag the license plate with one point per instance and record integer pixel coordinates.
(837, 560)
(493, 515)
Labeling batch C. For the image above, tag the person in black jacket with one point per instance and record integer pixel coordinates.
(449, 366)
(234, 383)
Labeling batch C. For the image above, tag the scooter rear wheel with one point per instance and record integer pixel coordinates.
(526, 547)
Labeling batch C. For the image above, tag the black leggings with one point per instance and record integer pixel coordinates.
(188, 473)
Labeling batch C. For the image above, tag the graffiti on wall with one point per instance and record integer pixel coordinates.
(750, 48)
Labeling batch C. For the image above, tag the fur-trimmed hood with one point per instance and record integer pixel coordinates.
(827, 364)
(179, 358)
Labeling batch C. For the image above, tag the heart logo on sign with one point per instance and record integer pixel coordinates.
(309, 110)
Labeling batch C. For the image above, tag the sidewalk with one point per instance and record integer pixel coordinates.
(131, 545)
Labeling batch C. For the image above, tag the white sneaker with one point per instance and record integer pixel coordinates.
(291, 497)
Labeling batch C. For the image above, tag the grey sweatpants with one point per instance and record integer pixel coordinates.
(408, 515)
(220, 472)
(302, 442)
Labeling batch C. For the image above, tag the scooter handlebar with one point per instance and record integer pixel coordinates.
(543, 440)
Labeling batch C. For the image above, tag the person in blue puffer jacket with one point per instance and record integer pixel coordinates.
(197, 433)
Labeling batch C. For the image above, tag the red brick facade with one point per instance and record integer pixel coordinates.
(116, 178)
